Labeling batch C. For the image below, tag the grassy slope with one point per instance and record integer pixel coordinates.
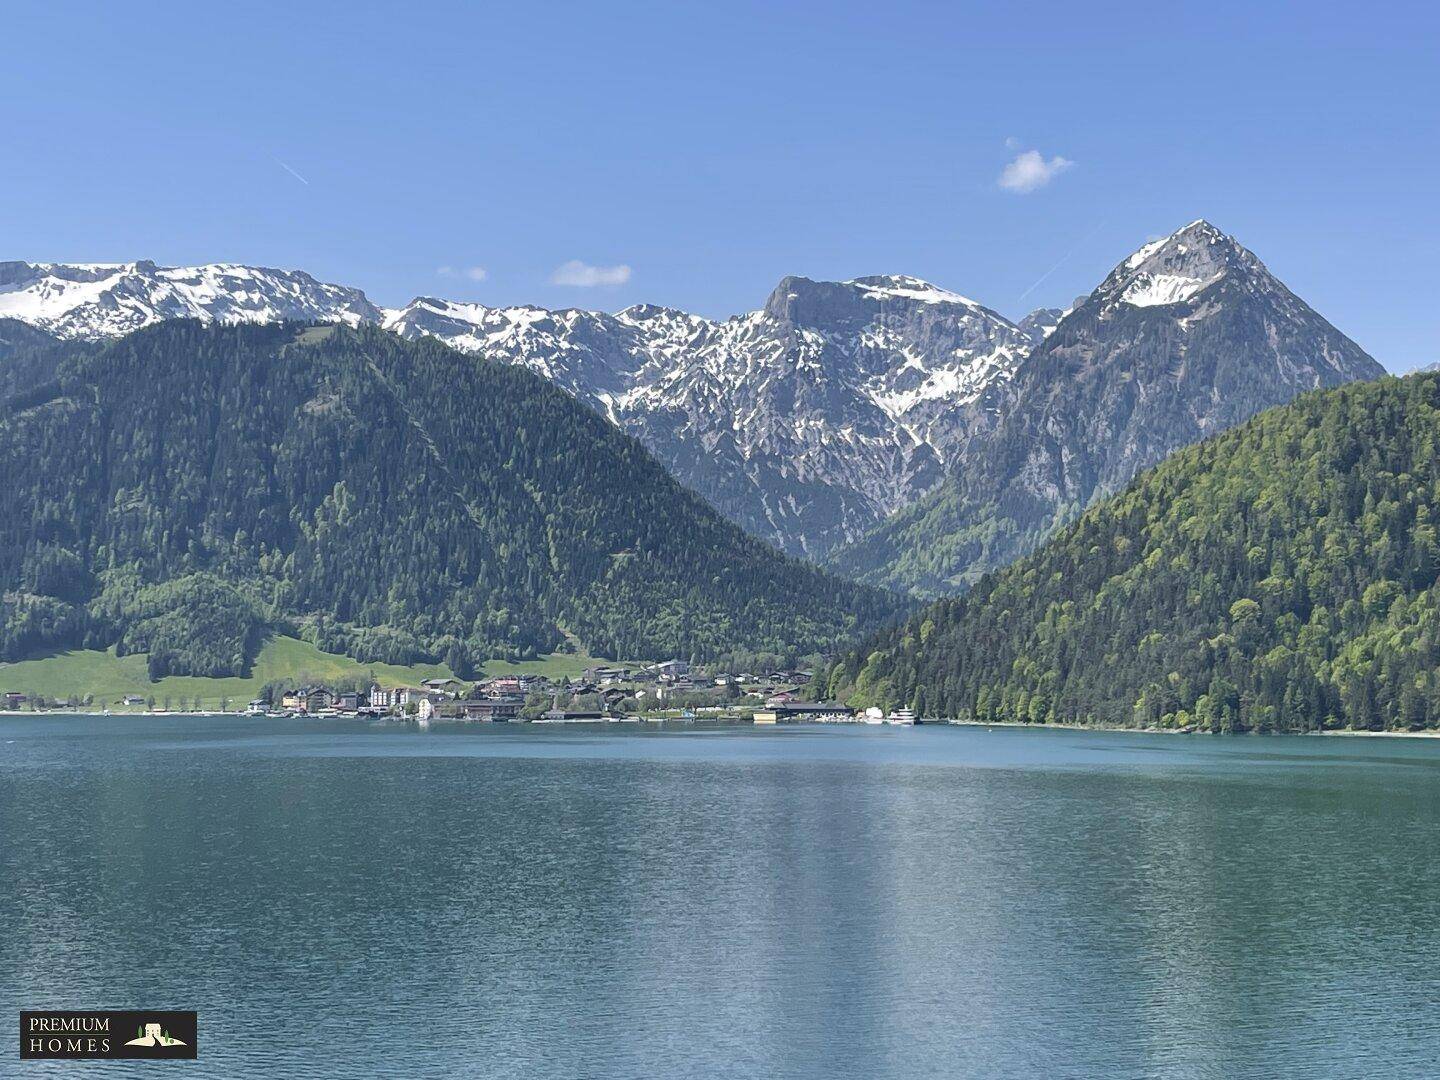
(552, 666)
(566, 665)
(109, 677)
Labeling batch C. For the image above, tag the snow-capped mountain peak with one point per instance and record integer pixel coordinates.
(1188, 336)
(1176, 268)
(95, 300)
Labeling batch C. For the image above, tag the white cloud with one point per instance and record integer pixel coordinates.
(474, 273)
(1030, 171)
(584, 276)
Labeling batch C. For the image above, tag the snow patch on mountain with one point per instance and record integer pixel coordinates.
(908, 288)
(1156, 290)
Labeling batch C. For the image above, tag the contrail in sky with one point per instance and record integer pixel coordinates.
(295, 174)
(1061, 262)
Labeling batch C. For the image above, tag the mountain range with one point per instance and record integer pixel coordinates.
(909, 435)
(807, 422)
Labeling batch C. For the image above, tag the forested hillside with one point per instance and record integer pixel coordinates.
(27, 356)
(1280, 577)
(185, 490)
(16, 335)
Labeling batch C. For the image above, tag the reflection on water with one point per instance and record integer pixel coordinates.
(813, 902)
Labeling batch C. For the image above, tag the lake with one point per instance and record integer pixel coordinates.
(339, 899)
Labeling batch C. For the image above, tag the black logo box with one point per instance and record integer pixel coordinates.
(103, 1034)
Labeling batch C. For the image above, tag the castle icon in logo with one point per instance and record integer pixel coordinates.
(151, 1035)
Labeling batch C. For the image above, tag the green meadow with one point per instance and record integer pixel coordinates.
(108, 678)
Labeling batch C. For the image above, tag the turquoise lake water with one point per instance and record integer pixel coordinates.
(338, 899)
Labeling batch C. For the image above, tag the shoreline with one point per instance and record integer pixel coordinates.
(1009, 724)
(1345, 732)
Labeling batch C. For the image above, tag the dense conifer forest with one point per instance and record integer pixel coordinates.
(28, 356)
(185, 491)
(1279, 577)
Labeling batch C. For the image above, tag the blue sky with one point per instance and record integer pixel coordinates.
(597, 155)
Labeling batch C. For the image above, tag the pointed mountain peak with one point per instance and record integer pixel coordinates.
(1198, 228)
(1198, 235)
(1176, 268)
